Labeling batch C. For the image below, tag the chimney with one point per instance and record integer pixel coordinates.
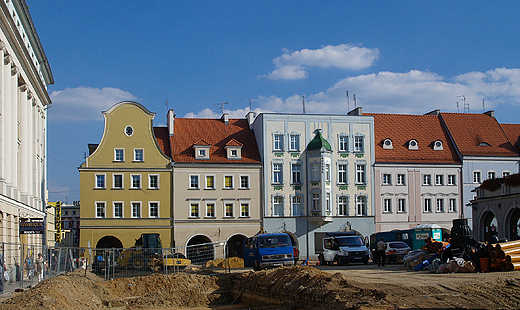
(434, 112)
(250, 119)
(225, 118)
(171, 122)
(355, 112)
(490, 113)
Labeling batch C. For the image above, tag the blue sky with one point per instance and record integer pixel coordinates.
(395, 56)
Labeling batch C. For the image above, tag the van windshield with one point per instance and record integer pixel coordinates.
(274, 241)
(350, 241)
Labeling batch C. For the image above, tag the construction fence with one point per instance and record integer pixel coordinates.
(28, 264)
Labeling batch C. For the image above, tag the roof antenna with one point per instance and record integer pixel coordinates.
(348, 103)
(458, 107)
(303, 103)
(464, 105)
(222, 106)
(355, 104)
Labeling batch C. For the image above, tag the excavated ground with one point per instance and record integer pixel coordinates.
(300, 287)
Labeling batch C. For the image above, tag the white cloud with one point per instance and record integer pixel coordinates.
(85, 103)
(292, 66)
(413, 92)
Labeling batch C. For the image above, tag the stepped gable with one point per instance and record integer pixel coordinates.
(477, 134)
(163, 140)
(512, 132)
(217, 134)
(401, 128)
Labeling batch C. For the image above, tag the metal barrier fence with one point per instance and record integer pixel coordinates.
(27, 265)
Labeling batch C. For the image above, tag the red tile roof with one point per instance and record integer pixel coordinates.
(401, 128)
(234, 142)
(512, 132)
(163, 139)
(477, 134)
(188, 131)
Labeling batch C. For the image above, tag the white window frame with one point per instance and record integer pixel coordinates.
(315, 172)
(491, 174)
(342, 174)
(343, 143)
(401, 205)
(297, 172)
(232, 181)
(361, 205)
(477, 176)
(452, 205)
(243, 202)
(278, 142)
(132, 209)
(103, 209)
(150, 209)
(277, 173)
(401, 179)
(328, 207)
(103, 177)
(226, 203)
(439, 179)
(439, 205)
(114, 181)
(116, 150)
(132, 181)
(136, 152)
(361, 174)
(427, 205)
(316, 202)
(357, 147)
(327, 172)
(150, 181)
(293, 204)
(294, 146)
(241, 177)
(122, 209)
(206, 181)
(343, 206)
(277, 209)
(452, 180)
(387, 179)
(506, 173)
(206, 204)
(427, 179)
(190, 204)
(387, 205)
(195, 177)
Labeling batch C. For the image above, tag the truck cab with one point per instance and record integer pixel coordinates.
(268, 251)
(343, 248)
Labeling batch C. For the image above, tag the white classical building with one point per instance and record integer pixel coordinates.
(24, 76)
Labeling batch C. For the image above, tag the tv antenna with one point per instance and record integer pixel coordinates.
(222, 106)
(355, 104)
(465, 106)
(303, 103)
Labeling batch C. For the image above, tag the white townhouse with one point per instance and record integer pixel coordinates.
(317, 174)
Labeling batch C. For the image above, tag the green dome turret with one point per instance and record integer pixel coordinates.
(319, 142)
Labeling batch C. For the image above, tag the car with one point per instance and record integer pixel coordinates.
(396, 250)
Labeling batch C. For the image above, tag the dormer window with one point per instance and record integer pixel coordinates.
(387, 144)
(202, 153)
(201, 148)
(484, 144)
(437, 145)
(412, 145)
(234, 149)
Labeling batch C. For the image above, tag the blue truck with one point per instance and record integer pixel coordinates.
(268, 251)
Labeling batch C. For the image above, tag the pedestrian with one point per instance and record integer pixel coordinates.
(381, 257)
(40, 264)
(28, 266)
(3, 268)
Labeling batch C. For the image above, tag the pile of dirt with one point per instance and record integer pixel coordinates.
(231, 262)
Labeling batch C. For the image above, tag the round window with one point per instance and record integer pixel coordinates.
(129, 130)
(438, 144)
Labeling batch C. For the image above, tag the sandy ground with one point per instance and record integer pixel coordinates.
(323, 287)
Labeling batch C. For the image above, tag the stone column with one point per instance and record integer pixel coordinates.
(15, 147)
(24, 147)
(8, 120)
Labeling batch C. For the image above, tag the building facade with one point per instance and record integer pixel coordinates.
(24, 76)
(417, 173)
(317, 174)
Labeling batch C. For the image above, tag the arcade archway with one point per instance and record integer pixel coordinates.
(489, 225)
(200, 249)
(109, 242)
(235, 246)
(514, 224)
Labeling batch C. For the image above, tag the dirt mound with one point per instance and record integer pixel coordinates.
(231, 262)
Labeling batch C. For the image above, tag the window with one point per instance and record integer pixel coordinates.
(234, 153)
(100, 181)
(476, 177)
(315, 172)
(118, 181)
(296, 173)
(129, 130)
(153, 181)
(119, 155)
(277, 206)
(136, 181)
(427, 179)
(118, 209)
(453, 205)
(228, 182)
(138, 155)
(316, 202)
(361, 205)
(440, 205)
(343, 205)
(412, 145)
(491, 174)
(327, 202)
(202, 153)
(244, 181)
(401, 205)
(296, 205)
(387, 205)
(210, 182)
(294, 143)
(194, 209)
(439, 179)
(387, 179)
(342, 174)
(229, 209)
(136, 209)
(358, 144)
(360, 174)
(194, 181)
(505, 173)
(278, 142)
(244, 209)
(388, 145)
(401, 179)
(343, 143)
(277, 173)
(451, 179)
(153, 209)
(100, 209)
(210, 209)
(427, 205)
(327, 173)
(437, 146)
